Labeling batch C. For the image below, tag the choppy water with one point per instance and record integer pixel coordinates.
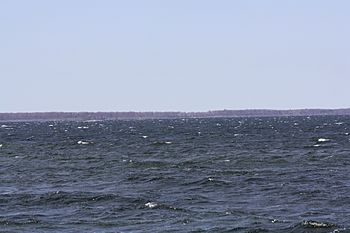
(288, 174)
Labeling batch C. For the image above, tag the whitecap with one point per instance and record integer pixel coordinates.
(144, 136)
(0, 145)
(323, 140)
(151, 204)
(50, 125)
(317, 224)
(339, 123)
(168, 142)
(4, 126)
(83, 142)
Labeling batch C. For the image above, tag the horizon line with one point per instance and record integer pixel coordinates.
(179, 111)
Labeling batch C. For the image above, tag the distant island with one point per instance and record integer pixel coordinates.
(91, 116)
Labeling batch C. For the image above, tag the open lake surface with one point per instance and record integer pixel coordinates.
(285, 174)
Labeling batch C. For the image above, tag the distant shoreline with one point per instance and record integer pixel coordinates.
(96, 116)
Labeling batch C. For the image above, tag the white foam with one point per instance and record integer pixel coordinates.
(315, 224)
(50, 125)
(168, 142)
(144, 136)
(339, 123)
(4, 126)
(151, 204)
(0, 145)
(83, 142)
(323, 140)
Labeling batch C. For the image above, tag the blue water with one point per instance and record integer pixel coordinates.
(288, 174)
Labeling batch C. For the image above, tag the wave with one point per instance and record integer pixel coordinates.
(312, 226)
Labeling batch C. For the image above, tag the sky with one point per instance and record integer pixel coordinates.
(174, 55)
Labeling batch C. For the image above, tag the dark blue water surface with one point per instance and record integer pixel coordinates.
(289, 174)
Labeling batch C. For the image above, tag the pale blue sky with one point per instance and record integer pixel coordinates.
(180, 55)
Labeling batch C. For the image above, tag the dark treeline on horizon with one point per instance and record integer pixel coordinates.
(83, 116)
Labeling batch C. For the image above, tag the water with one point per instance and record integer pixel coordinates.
(288, 174)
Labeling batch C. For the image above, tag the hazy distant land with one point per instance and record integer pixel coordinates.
(85, 116)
